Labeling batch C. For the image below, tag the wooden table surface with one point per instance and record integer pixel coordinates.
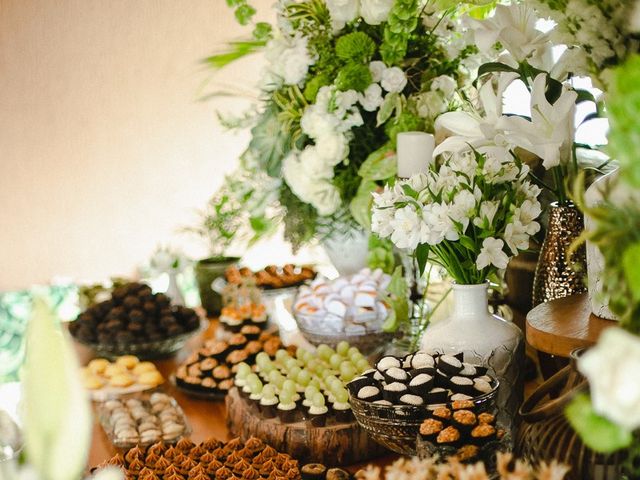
(560, 326)
(207, 418)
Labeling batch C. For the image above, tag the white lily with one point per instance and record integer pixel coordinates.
(550, 131)
(514, 27)
(471, 128)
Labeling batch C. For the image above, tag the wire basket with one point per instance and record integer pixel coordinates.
(396, 427)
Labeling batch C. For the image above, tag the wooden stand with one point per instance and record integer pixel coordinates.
(333, 445)
(560, 326)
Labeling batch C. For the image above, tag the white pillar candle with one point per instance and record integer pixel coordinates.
(414, 152)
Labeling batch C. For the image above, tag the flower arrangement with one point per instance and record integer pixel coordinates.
(343, 77)
(470, 212)
(548, 133)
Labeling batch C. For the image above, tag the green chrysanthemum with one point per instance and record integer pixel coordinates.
(353, 77)
(355, 47)
(313, 85)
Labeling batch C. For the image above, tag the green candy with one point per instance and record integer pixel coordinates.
(362, 364)
(294, 372)
(303, 378)
(256, 388)
(335, 360)
(310, 391)
(317, 400)
(324, 351)
(244, 370)
(331, 380)
(289, 386)
(342, 396)
(347, 371)
(262, 359)
(269, 391)
(315, 382)
(286, 396)
(282, 355)
(353, 351)
(290, 363)
(303, 355)
(276, 378)
(343, 348)
(354, 357)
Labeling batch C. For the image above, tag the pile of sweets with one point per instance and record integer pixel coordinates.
(125, 371)
(422, 379)
(133, 315)
(212, 459)
(210, 369)
(272, 277)
(351, 305)
(250, 317)
(308, 386)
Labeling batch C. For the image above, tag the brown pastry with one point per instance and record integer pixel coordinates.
(250, 473)
(223, 474)
(211, 444)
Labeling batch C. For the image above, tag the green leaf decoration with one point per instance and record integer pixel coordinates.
(397, 297)
(244, 13)
(380, 164)
(262, 31)
(355, 47)
(402, 21)
(381, 254)
(269, 142)
(596, 431)
(315, 84)
(387, 108)
(492, 67)
(235, 51)
(353, 77)
(422, 255)
(630, 263)
(360, 206)
(57, 424)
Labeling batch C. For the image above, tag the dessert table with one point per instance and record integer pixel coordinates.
(207, 418)
(560, 326)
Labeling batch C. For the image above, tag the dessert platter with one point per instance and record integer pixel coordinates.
(208, 372)
(135, 321)
(126, 374)
(351, 308)
(299, 404)
(272, 277)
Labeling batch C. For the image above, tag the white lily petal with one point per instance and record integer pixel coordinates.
(459, 123)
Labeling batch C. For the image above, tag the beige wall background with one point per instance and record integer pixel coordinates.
(105, 150)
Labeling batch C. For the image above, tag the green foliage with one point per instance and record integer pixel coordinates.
(299, 220)
(355, 47)
(398, 299)
(381, 255)
(630, 262)
(234, 51)
(262, 31)
(360, 206)
(596, 431)
(402, 21)
(269, 141)
(353, 76)
(405, 122)
(315, 84)
(623, 104)
(381, 164)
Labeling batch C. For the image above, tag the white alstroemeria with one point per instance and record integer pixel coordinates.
(343, 12)
(383, 212)
(464, 162)
(527, 214)
(374, 12)
(471, 128)
(499, 165)
(332, 148)
(444, 84)
(372, 98)
(492, 254)
(516, 237)
(514, 27)
(438, 220)
(530, 190)
(551, 130)
(393, 79)
(488, 210)
(574, 61)
(377, 68)
(462, 208)
(612, 367)
(406, 226)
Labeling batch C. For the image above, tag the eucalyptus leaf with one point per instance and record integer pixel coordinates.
(630, 262)
(379, 165)
(387, 108)
(360, 206)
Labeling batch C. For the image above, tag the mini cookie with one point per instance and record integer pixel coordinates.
(93, 383)
(121, 380)
(98, 365)
(143, 367)
(127, 361)
(151, 378)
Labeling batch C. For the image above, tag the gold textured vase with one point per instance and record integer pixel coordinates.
(557, 275)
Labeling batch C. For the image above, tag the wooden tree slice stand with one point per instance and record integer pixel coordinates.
(333, 445)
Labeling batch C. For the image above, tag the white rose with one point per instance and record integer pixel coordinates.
(430, 104)
(372, 98)
(332, 148)
(393, 79)
(445, 84)
(325, 197)
(313, 164)
(296, 66)
(374, 12)
(342, 11)
(612, 368)
(377, 68)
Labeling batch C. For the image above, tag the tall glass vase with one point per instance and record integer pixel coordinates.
(557, 275)
(484, 339)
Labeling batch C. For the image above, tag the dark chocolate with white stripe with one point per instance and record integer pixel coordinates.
(387, 362)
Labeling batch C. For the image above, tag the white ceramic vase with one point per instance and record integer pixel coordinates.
(348, 251)
(484, 339)
(173, 291)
